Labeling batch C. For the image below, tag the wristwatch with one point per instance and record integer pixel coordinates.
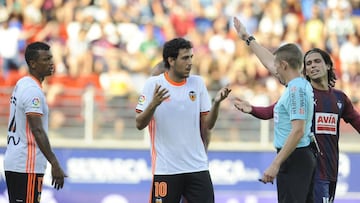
(251, 38)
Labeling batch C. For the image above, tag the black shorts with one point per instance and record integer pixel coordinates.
(195, 187)
(24, 187)
(295, 177)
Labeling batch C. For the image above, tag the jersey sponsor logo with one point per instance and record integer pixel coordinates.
(13, 100)
(12, 138)
(141, 99)
(326, 123)
(35, 102)
(192, 95)
(301, 101)
(293, 106)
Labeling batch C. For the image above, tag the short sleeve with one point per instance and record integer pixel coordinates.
(33, 100)
(145, 96)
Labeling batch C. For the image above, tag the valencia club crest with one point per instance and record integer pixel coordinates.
(192, 95)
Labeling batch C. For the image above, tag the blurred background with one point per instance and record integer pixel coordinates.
(104, 51)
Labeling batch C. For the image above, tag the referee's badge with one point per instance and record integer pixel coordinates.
(192, 95)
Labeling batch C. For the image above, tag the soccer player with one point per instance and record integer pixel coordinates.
(294, 164)
(330, 106)
(160, 68)
(28, 148)
(176, 107)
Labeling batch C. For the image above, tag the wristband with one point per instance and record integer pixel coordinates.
(251, 38)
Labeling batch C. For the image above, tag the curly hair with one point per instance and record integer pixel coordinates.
(172, 47)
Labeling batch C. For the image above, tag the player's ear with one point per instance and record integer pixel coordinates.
(31, 64)
(171, 61)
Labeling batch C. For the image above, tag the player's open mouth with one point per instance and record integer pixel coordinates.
(314, 72)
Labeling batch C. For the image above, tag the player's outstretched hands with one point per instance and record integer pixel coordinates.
(58, 176)
(242, 105)
(222, 94)
(160, 94)
(240, 29)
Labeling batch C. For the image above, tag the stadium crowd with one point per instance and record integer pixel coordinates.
(112, 44)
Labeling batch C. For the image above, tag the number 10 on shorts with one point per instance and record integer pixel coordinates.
(160, 189)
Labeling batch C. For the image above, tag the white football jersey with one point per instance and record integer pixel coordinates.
(176, 144)
(22, 153)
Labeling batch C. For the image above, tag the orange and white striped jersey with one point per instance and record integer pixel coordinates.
(22, 153)
(176, 144)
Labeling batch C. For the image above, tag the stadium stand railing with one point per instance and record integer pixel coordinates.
(78, 120)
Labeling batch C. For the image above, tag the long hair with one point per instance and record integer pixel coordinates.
(327, 59)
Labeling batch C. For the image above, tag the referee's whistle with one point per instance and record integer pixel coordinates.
(261, 180)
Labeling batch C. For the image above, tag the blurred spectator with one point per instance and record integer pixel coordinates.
(10, 37)
(79, 55)
(246, 14)
(100, 48)
(293, 28)
(350, 58)
(118, 89)
(182, 19)
(314, 32)
(339, 24)
(33, 21)
(222, 47)
(151, 41)
(271, 23)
